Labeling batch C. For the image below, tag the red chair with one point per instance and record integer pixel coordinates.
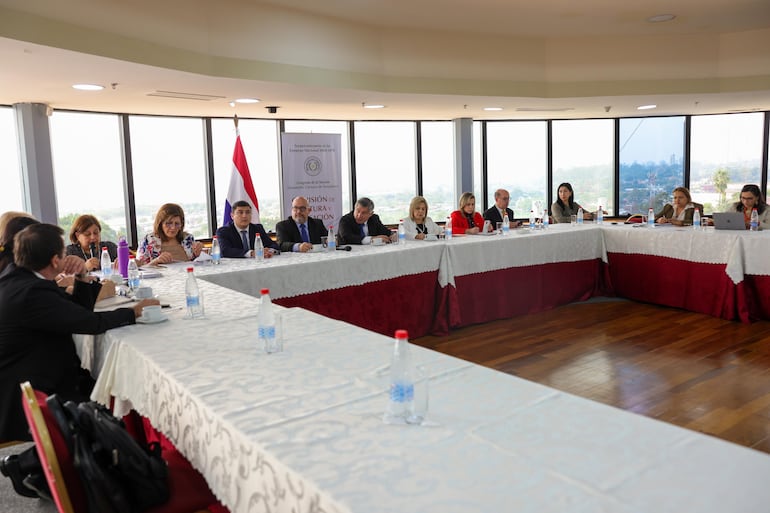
(189, 491)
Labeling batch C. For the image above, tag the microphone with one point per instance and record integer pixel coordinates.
(344, 248)
(93, 249)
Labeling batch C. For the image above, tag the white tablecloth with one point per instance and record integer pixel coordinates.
(302, 430)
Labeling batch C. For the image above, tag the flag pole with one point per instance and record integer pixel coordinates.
(235, 121)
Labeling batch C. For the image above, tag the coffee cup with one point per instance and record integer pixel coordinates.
(143, 293)
(152, 313)
(325, 241)
(377, 242)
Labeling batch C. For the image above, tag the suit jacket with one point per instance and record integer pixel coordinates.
(460, 222)
(287, 232)
(668, 213)
(493, 215)
(350, 232)
(230, 243)
(37, 320)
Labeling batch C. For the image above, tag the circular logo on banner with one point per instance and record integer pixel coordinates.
(313, 166)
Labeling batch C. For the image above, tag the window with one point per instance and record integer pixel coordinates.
(88, 170)
(169, 167)
(386, 166)
(260, 144)
(330, 127)
(11, 194)
(583, 156)
(726, 154)
(478, 176)
(651, 162)
(438, 168)
(516, 161)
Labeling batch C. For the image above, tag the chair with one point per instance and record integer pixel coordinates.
(189, 491)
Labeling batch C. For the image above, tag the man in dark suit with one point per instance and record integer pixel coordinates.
(37, 320)
(236, 240)
(299, 232)
(362, 225)
(495, 213)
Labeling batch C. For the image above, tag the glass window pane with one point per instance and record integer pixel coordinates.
(516, 160)
(259, 138)
(88, 170)
(11, 195)
(477, 168)
(583, 156)
(726, 154)
(651, 162)
(385, 166)
(169, 167)
(438, 168)
(330, 127)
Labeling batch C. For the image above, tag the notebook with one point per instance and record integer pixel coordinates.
(728, 220)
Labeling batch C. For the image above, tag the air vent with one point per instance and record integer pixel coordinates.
(186, 96)
(544, 109)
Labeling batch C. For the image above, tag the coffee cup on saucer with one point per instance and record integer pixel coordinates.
(152, 313)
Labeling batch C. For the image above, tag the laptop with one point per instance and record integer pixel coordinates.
(728, 220)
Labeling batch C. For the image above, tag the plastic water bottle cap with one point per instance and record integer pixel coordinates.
(189, 269)
(264, 291)
(402, 334)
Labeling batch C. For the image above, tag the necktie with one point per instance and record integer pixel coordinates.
(245, 239)
(303, 233)
(361, 227)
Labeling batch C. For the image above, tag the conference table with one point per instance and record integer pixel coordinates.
(303, 431)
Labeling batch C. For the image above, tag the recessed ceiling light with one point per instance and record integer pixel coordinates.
(493, 108)
(246, 100)
(646, 107)
(373, 106)
(87, 87)
(659, 18)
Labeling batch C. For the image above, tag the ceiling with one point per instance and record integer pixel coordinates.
(153, 56)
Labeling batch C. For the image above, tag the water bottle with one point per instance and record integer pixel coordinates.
(259, 249)
(331, 240)
(123, 257)
(580, 216)
(545, 219)
(600, 215)
(266, 323)
(106, 263)
(650, 218)
(134, 280)
(401, 232)
(448, 228)
(193, 296)
(696, 219)
(531, 219)
(754, 223)
(401, 393)
(216, 252)
(506, 224)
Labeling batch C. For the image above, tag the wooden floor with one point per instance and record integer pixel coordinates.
(688, 369)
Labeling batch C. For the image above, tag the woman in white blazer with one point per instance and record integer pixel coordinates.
(419, 225)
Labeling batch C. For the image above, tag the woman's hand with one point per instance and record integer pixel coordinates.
(419, 236)
(661, 220)
(164, 258)
(197, 247)
(472, 231)
(92, 264)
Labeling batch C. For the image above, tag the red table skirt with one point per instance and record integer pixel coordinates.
(693, 286)
(754, 298)
(505, 293)
(406, 302)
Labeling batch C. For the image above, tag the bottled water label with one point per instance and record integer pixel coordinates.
(266, 332)
(133, 282)
(192, 301)
(401, 392)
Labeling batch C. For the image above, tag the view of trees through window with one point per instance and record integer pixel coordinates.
(169, 163)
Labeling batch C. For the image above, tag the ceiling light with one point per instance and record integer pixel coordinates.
(659, 18)
(493, 108)
(232, 104)
(646, 107)
(87, 87)
(373, 106)
(247, 100)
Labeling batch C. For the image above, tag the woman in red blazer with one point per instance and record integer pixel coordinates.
(467, 220)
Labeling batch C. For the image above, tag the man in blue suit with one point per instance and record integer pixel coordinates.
(236, 240)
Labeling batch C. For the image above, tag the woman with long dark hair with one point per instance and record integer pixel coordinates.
(751, 197)
(565, 205)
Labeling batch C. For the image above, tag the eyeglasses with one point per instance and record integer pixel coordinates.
(747, 198)
(301, 209)
(172, 224)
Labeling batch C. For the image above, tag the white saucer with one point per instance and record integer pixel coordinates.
(142, 320)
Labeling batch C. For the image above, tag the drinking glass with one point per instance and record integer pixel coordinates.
(325, 242)
(499, 228)
(573, 219)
